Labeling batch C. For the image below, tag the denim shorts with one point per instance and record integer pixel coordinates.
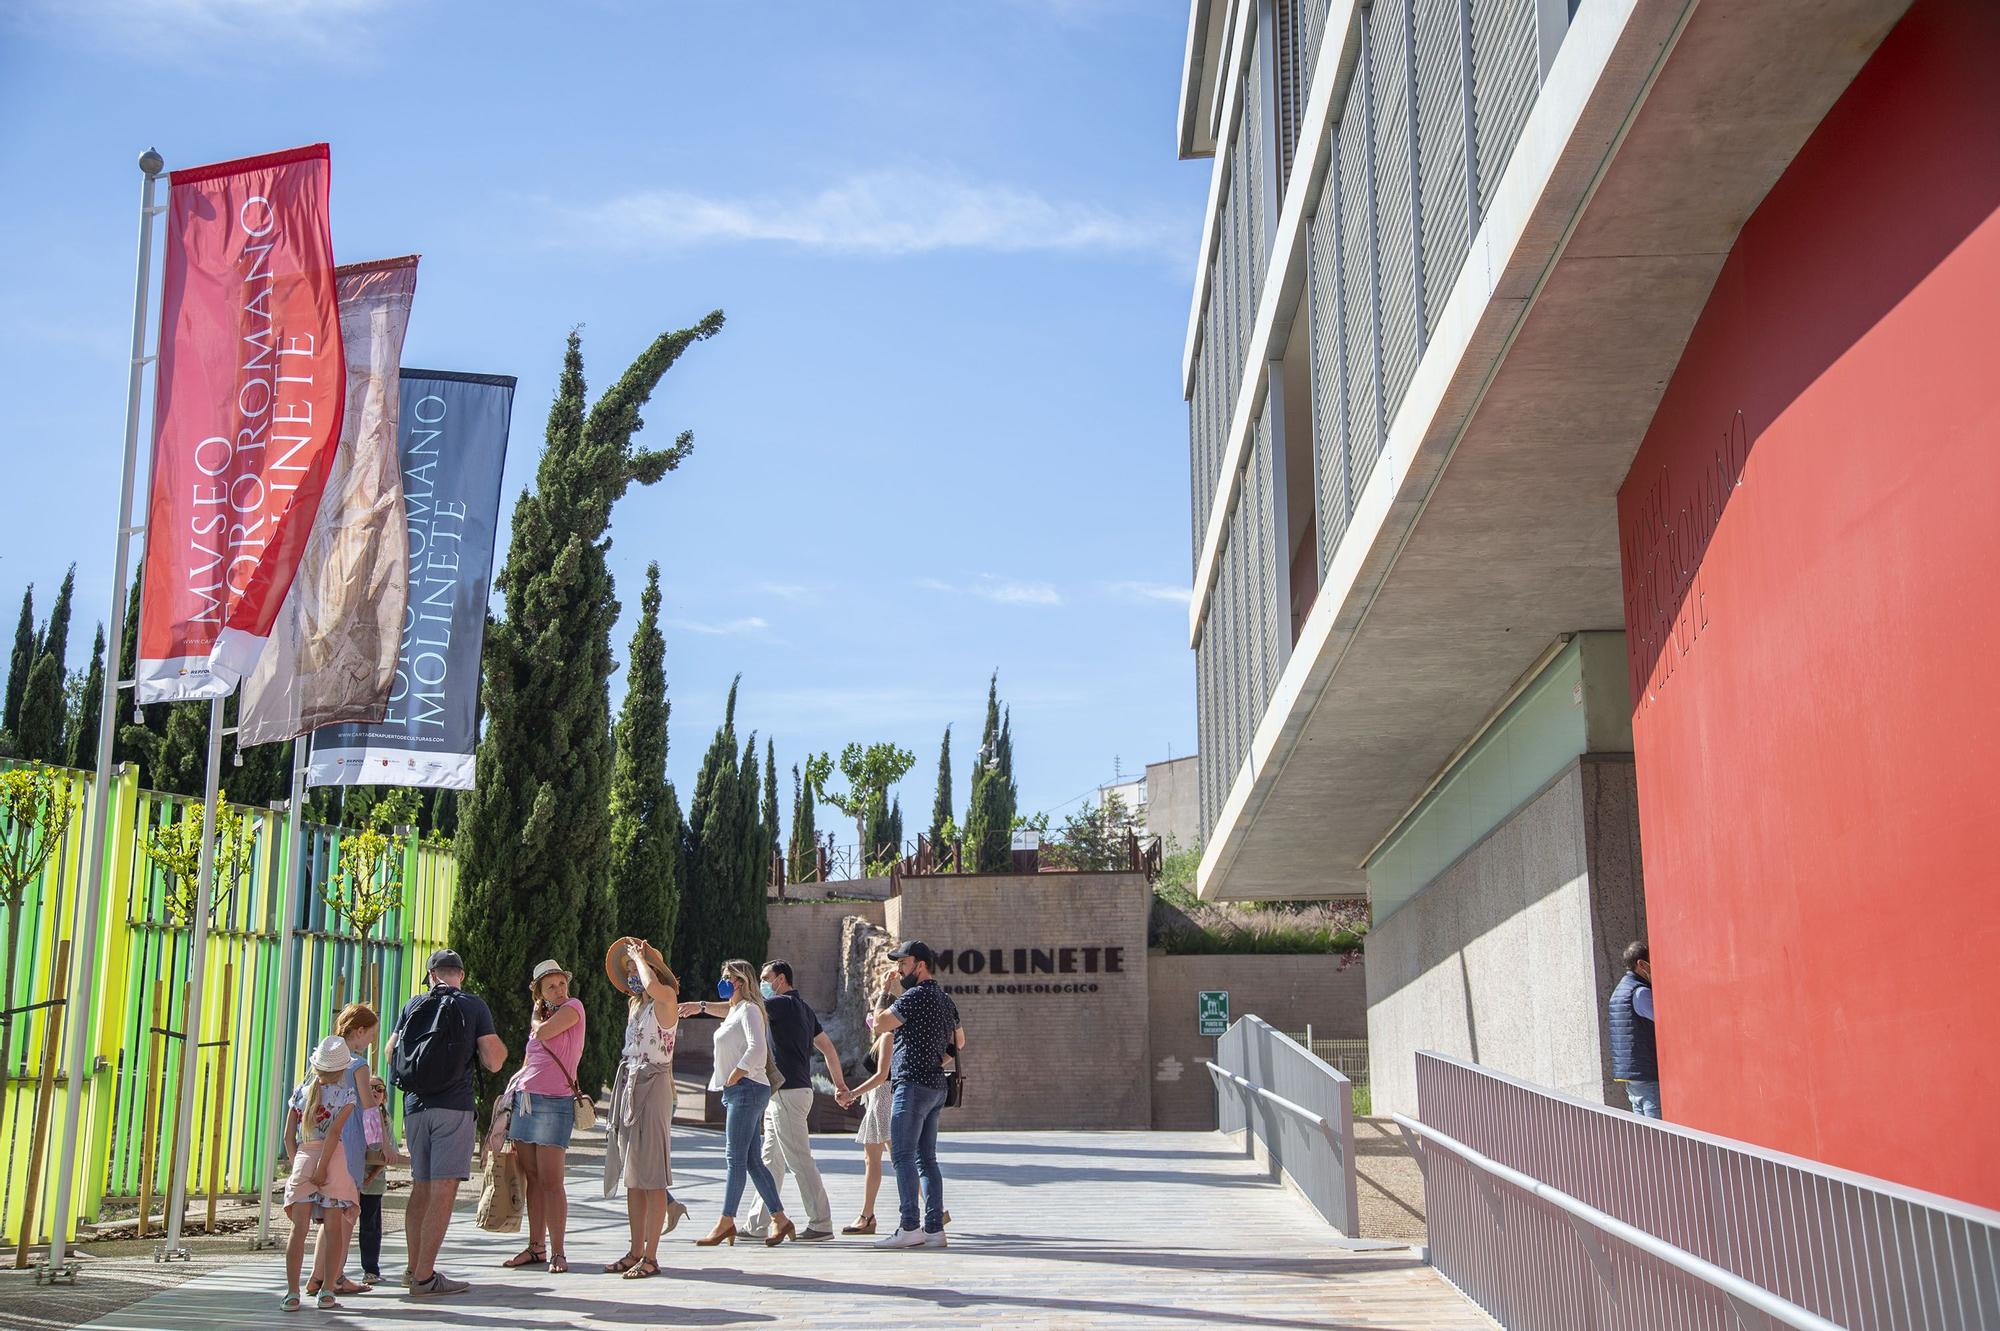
(542, 1120)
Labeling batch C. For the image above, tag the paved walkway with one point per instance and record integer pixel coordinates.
(1049, 1230)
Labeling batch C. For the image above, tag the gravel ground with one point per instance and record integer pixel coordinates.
(1389, 1186)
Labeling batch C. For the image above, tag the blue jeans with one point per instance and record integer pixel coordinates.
(743, 1136)
(1645, 1098)
(913, 1125)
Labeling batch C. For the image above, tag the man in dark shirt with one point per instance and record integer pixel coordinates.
(795, 1033)
(925, 1022)
(439, 1127)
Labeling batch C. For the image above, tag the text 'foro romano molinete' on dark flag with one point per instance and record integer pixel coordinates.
(453, 443)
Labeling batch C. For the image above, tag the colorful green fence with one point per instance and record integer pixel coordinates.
(142, 968)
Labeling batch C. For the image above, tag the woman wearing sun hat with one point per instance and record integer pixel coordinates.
(639, 1127)
(542, 1097)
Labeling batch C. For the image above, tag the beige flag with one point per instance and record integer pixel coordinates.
(332, 655)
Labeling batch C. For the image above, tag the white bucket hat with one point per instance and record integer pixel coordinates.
(545, 968)
(333, 1055)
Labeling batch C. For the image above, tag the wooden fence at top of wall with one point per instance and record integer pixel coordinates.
(143, 958)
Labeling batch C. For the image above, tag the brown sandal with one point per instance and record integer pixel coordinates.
(865, 1225)
(623, 1264)
(530, 1256)
(646, 1267)
(558, 1263)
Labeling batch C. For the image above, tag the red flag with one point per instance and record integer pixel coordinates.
(247, 414)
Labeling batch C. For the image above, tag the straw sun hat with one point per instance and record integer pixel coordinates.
(614, 963)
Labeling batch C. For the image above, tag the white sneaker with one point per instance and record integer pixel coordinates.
(902, 1238)
(934, 1240)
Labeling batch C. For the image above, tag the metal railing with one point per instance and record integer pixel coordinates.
(1293, 1109)
(1347, 1057)
(1553, 1212)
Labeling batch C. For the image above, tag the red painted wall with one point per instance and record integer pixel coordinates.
(1811, 539)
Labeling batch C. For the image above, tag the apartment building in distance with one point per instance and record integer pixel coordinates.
(1595, 453)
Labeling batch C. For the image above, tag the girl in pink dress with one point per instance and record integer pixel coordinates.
(320, 1181)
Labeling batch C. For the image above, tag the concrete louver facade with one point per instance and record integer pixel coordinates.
(1453, 253)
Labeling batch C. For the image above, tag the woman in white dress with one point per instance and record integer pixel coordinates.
(874, 1097)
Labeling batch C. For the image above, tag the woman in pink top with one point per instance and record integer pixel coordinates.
(542, 1097)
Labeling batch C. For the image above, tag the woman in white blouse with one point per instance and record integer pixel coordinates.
(744, 1072)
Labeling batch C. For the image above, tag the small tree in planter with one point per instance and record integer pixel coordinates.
(368, 882)
(34, 818)
(176, 848)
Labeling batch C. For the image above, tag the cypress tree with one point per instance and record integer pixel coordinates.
(989, 822)
(534, 836)
(769, 815)
(941, 806)
(805, 830)
(90, 710)
(21, 663)
(645, 816)
(753, 929)
(711, 843)
(892, 829)
(44, 719)
(55, 638)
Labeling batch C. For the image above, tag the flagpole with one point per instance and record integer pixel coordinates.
(288, 983)
(171, 1249)
(83, 1005)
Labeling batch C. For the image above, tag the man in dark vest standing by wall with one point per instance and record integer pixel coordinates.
(1634, 1058)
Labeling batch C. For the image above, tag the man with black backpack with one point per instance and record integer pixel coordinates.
(440, 1035)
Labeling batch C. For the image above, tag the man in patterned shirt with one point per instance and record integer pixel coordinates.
(925, 1022)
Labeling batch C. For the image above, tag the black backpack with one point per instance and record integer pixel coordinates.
(433, 1045)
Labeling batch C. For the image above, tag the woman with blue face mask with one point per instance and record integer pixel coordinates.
(639, 1124)
(745, 1072)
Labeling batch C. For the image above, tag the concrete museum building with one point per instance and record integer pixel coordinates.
(1596, 527)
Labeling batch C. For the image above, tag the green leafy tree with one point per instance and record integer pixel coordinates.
(35, 813)
(941, 805)
(534, 837)
(89, 710)
(1094, 836)
(870, 772)
(21, 662)
(645, 815)
(989, 822)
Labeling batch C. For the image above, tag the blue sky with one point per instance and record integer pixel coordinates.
(942, 433)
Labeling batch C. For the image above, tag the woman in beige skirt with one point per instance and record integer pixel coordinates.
(639, 1129)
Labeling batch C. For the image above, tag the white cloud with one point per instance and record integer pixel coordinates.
(169, 29)
(726, 629)
(1152, 591)
(880, 212)
(790, 591)
(1002, 591)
